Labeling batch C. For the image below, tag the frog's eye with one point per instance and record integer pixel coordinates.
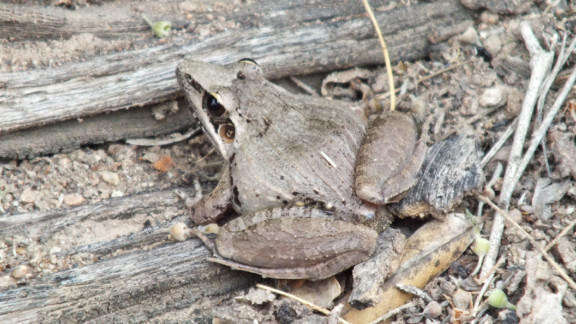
(227, 132)
(212, 105)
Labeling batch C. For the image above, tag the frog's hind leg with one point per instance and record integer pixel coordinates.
(313, 272)
(293, 243)
(389, 158)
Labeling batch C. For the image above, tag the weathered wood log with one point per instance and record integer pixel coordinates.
(111, 21)
(296, 37)
(141, 286)
(71, 134)
(141, 275)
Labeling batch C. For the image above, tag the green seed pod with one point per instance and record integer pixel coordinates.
(161, 28)
(498, 299)
(480, 246)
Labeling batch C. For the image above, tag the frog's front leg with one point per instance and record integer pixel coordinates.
(389, 158)
(293, 243)
(217, 204)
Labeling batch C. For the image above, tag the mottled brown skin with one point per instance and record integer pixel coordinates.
(291, 173)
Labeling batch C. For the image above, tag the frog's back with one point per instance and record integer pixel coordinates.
(307, 154)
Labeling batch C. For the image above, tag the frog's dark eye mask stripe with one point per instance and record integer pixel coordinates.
(193, 83)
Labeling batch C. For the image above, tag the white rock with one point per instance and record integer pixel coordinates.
(493, 97)
(20, 271)
(110, 177)
(74, 199)
(28, 195)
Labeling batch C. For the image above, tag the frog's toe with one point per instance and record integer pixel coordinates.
(370, 192)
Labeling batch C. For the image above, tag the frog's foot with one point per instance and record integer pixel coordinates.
(389, 159)
(202, 237)
(294, 243)
(217, 204)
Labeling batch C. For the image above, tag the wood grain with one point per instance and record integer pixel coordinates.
(295, 37)
(130, 274)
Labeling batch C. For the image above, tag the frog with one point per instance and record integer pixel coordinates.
(305, 175)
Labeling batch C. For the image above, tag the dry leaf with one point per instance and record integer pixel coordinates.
(429, 252)
(320, 293)
(545, 193)
(164, 164)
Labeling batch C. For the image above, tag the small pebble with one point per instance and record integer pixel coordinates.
(116, 194)
(110, 177)
(470, 36)
(493, 44)
(493, 97)
(433, 310)
(28, 195)
(20, 271)
(462, 299)
(74, 199)
(488, 17)
(180, 232)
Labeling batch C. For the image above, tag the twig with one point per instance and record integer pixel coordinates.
(432, 75)
(537, 245)
(300, 300)
(441, 71)
(488, 188)
(540, 62)
(415, 291)
(561, 60)
(392, 313)
(302, 85)
(480, 257)
(498, 145)
(543, 129)
(482, 115)
(487, 283)
(565, 231)
(164, 140)
(385, 53)
(563, 55)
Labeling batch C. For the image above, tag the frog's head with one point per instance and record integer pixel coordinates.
(214, 92)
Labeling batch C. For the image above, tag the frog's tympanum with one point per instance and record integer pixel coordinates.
(304, 174)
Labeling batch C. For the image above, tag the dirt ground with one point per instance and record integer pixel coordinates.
(474, 83)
